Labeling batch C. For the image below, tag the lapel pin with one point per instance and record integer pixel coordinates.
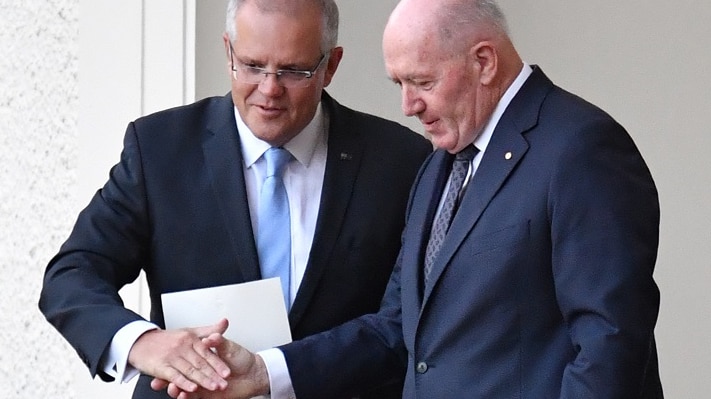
(508, 155)
(346, 156)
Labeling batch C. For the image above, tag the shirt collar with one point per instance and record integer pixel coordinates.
(301, 147)
(482, 141)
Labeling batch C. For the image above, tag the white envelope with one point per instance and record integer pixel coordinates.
(255, 310)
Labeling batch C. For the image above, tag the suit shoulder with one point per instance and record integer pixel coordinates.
(573, 107)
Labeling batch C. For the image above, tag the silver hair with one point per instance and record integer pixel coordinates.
(464, 17)
(328, 8)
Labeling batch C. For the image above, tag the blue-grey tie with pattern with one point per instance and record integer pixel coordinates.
(441, 224)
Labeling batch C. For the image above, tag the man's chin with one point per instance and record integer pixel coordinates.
(441, 143)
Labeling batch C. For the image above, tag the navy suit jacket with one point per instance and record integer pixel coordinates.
(543, 287)
(175, 206)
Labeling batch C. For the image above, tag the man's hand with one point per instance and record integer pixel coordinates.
(182, 358)
(248, 378)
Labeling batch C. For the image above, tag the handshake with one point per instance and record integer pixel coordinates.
(199, 363)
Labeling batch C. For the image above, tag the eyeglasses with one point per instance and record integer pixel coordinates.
(251, 74)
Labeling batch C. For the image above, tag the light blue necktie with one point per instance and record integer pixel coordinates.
(274, 228)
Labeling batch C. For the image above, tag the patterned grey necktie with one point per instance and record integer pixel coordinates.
(441, 224)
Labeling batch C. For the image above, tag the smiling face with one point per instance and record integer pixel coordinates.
(276, 40)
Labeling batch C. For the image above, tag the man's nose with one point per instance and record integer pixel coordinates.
(411, 103)
(270, 85)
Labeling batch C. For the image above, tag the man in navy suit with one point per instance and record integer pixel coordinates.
(181, 204)
(541, 285)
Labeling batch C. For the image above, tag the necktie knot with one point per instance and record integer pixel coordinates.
(467, 154)
(277, 158)
(460, 167)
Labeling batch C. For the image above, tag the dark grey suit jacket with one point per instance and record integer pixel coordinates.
(176, 207)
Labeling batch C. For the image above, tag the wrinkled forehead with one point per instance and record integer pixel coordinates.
(286, 37)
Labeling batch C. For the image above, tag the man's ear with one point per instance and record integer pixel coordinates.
(226, 40)
(333, 60)
(486, 60)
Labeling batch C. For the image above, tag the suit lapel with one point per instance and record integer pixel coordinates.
(345, 151)
(428, 188)
(419, 224)
(505, 150)
(223, 158)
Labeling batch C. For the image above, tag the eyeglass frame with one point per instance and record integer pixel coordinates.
(304, 75)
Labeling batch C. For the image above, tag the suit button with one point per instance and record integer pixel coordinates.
(421, 367)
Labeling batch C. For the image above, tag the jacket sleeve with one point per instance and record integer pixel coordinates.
(105, 251)
(604, 215)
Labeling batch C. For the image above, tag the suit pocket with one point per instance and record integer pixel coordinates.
(504, 237)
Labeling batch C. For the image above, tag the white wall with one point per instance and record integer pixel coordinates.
(78, 71)
(38, 134)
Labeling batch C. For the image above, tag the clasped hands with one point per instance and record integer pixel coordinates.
(199, 363)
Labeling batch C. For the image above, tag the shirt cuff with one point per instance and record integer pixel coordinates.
(115, 362)
(279, 379)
